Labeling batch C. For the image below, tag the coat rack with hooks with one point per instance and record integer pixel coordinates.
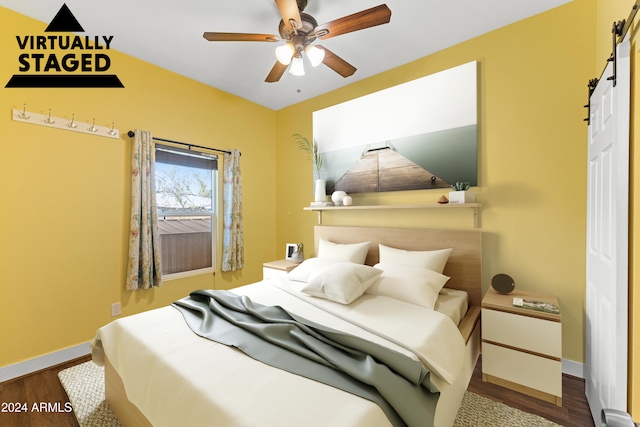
(25, 116)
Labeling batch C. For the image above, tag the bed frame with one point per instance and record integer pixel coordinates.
(464, 268)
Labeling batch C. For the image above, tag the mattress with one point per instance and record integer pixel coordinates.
(163, 364)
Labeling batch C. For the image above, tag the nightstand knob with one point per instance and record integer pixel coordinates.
(503, 283)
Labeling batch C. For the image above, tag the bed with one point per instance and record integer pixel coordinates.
(170, 376)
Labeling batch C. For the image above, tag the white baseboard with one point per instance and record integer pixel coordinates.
(572, 368)
(36, 364)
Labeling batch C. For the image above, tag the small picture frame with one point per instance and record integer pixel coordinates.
(291, 248)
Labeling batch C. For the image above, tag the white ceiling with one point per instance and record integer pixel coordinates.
(168, 33)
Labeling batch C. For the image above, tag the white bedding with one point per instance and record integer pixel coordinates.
(454, 303)
(154, 352)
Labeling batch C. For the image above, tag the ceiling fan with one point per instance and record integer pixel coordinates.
(300, 30)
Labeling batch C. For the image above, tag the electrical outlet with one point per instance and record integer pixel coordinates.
(116, 309)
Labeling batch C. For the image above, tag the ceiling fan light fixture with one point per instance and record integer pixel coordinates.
(297, 67)
(315, 55)
(284, 53)
(298, 30)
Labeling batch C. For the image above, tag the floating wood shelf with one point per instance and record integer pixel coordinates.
(473, 206)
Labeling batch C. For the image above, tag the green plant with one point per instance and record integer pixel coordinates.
(460, 186)
(310, 147)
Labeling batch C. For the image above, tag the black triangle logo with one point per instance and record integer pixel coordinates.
(64, 21)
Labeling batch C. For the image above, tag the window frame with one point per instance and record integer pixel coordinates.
(213, 213)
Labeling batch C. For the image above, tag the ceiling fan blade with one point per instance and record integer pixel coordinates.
(336, 63)
(289, 11)
(358, 21)
(276, 72)
(240, 37)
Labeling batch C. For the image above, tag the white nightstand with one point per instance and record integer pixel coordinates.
(278, 268)
(522, 348)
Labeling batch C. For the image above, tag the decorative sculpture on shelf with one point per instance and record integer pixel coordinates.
(298, 253)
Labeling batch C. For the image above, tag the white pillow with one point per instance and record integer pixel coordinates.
(433, 260)
(310, 266)
(352, 252)
(419, 286)
(343, 282)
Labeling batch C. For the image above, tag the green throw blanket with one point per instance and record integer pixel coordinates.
(398, 384)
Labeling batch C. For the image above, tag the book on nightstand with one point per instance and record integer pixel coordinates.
(545, 307)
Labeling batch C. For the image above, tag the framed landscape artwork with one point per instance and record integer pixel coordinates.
(417, 135)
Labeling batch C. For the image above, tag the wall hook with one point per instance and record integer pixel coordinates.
(23, 115)
(93, 127)
(49, 120)
(72, 123)
(64, 123)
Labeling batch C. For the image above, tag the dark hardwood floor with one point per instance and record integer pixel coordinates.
(39, 387)
(44, 386)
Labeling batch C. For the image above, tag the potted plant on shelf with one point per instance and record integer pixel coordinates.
(461, 193)
(304, 144)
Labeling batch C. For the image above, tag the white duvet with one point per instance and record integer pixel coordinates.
(178, 378)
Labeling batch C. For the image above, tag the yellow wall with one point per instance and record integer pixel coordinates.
(634, 234)
(532, 157)
(63, 221)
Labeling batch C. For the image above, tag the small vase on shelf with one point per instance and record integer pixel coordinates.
(321, 191)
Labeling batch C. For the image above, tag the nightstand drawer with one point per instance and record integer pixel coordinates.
(531, 371)
(522, 332)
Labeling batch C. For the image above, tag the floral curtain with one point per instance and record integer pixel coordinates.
(143, 269)
(233, 234)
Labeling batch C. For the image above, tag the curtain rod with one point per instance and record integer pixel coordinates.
(131, 134)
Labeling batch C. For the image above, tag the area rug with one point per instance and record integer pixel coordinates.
(479, 411)
(84, 385)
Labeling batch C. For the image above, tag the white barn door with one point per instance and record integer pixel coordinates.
(607, 240)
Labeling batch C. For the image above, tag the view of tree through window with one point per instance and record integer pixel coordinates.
(183, 189)
(185, 195)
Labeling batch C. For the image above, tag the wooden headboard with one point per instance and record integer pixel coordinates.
(464, 266)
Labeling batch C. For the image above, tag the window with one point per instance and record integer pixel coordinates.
(186, 183)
